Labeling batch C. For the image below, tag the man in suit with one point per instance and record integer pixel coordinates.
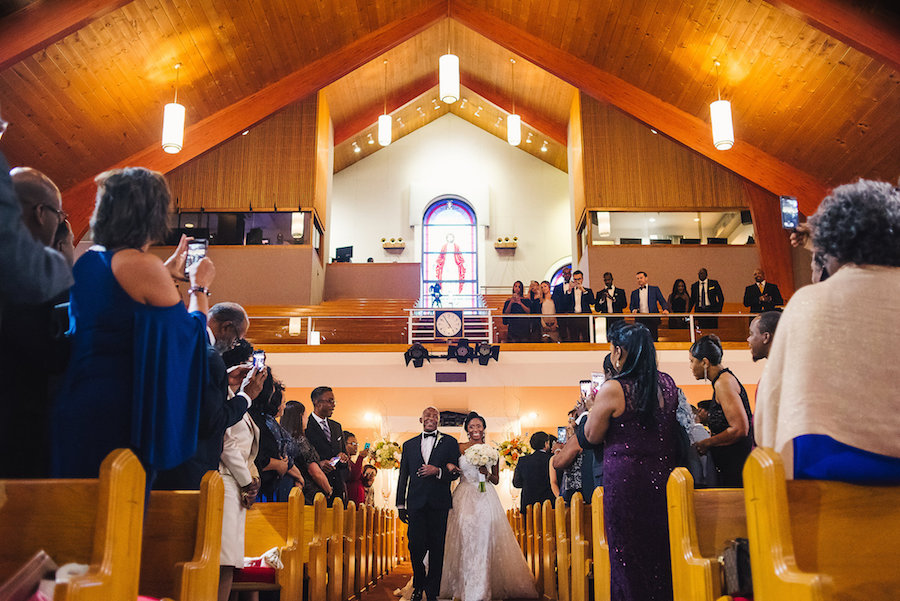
(532, 473)
(648, 299)
(221, 408)
(610, 300)
(423, 500)
(564, 302)
(762, 296)
(706, 297)
(582, 301)
(327, 438)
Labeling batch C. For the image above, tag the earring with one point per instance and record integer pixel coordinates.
(705, 373)
(618, 366)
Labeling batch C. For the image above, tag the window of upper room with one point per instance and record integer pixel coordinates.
(236, 229)
(450, 253)
(684, 227)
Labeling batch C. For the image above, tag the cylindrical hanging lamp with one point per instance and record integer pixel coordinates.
(173, 122)
(722, 128)
(449, 78)
(513, 129)
(384, 129)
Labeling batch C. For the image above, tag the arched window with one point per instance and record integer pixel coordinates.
(449, 254)
(558, 276)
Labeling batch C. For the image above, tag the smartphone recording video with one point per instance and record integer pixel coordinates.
(585, 389)
(790, 213)
(196, 251)
(561, 435)
(259, 360)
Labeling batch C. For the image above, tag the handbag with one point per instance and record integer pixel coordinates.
(735, 562)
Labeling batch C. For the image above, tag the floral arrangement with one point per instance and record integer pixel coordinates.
(482, 455)
(510, 450)
(387, 454)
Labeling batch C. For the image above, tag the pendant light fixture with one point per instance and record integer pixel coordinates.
(720, 116)
(513, 121)
(173, 122)
(384, 121)
(448, 69)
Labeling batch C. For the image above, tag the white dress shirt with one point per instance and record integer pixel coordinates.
(578, 294)
(610, 295)
(643, 295)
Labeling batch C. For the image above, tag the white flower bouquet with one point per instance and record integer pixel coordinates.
(387, 454)
(482, 455)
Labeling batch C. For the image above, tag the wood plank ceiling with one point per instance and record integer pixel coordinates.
(804, 97)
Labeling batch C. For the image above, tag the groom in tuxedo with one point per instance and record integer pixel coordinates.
(423, 500)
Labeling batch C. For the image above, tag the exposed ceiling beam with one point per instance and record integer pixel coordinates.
(40, 24)
(745, 160)
(556, 131)
(879, 39)
(222, 125)
(367, 117)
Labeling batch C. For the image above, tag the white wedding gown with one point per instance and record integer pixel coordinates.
(482, 560)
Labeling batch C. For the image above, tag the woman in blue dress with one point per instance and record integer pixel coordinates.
(138, 365)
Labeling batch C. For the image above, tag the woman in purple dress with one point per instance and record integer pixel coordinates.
(634, 416)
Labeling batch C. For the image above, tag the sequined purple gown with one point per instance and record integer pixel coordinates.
(637, 461)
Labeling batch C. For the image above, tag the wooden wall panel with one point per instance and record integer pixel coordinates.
(576, 157)
(628, 167)
(273, 165)
(775, 256)
(324, 158)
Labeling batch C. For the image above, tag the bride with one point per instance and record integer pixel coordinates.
(482, 560)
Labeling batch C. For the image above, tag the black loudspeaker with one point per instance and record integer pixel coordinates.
(231, 229)
(255, 236)
(746, 218)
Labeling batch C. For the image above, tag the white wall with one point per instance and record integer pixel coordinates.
(527, 198)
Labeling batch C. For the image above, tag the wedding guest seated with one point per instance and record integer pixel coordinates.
(293, 420)
(827, 397)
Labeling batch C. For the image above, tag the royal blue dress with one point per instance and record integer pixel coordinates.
(820, 457)
(135, 378)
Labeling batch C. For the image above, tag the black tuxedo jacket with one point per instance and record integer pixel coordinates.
(587, 300)
(619, 301)
(752, 294)
(713, 292)
(217, 414)
(433, 492)
(532, 475)
(327, 450)
(564, 301)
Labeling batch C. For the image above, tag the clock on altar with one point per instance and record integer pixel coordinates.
(448, 324)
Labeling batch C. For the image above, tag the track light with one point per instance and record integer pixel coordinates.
(486, 352)
(417, 354)
(461, 351)
(356, 147)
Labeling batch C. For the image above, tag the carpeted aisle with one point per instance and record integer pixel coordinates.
(384, 588)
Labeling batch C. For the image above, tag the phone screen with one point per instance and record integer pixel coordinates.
(561, 435)
(585, 388)
(196, 251)
(597, 378)
(259, 360)
(334, 460)
(366, 447)
(790, 213)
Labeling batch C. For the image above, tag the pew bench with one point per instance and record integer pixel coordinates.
(96, 522)
(814, 540)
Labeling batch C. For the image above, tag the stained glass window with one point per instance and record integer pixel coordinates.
(449, 254)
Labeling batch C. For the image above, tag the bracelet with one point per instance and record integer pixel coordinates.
(202, 289)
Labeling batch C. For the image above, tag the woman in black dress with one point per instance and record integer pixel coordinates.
(730, 421)
(679, 301)
(518, 328)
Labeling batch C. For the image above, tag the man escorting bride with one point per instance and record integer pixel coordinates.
(480, 559)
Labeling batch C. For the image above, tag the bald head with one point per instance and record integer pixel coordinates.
(41, 203)
(229, 323)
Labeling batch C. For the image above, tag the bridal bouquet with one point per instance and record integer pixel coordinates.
(387, 454)
(482, 455)
(512, 449)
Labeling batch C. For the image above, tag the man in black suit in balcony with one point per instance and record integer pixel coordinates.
(327, 438)
(762, 296)
(706, 297)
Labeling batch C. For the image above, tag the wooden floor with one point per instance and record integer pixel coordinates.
(384, 589)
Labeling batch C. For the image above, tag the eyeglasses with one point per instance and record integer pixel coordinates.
(59, 212)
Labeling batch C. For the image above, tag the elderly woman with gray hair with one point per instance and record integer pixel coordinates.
(827, 400)
(136, 374)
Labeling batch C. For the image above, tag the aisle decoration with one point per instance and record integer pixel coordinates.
(510, 450)
(482, 455)
(387, 454)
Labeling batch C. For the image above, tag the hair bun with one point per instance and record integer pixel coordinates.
(715, 340)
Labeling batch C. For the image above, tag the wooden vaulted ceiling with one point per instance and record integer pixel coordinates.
(813, 83)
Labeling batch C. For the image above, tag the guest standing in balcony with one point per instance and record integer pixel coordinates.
(582, 302)
(518, 328)
(762, 295)
(549, 324)
(678, 303)
(138, 364)
(564, 302)
(648, 299)
(706, 297)
(534, 301)
(610, 299)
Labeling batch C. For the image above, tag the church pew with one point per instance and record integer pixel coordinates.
(600, 568)
(548, 539)
(580, 553)
(701, 522)
(283, 525)
(819, 540)
(370, 546)
(529, 539)
(563, 551)
(335, 553)
(359, 543)
(96, 522)
(181, 542)
(350, 557)
(317, 566)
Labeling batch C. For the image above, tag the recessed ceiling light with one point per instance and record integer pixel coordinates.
(188, 225)
(653, 131)
(245, 132)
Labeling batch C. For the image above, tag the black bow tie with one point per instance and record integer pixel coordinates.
(430, 434)
(643, 287)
